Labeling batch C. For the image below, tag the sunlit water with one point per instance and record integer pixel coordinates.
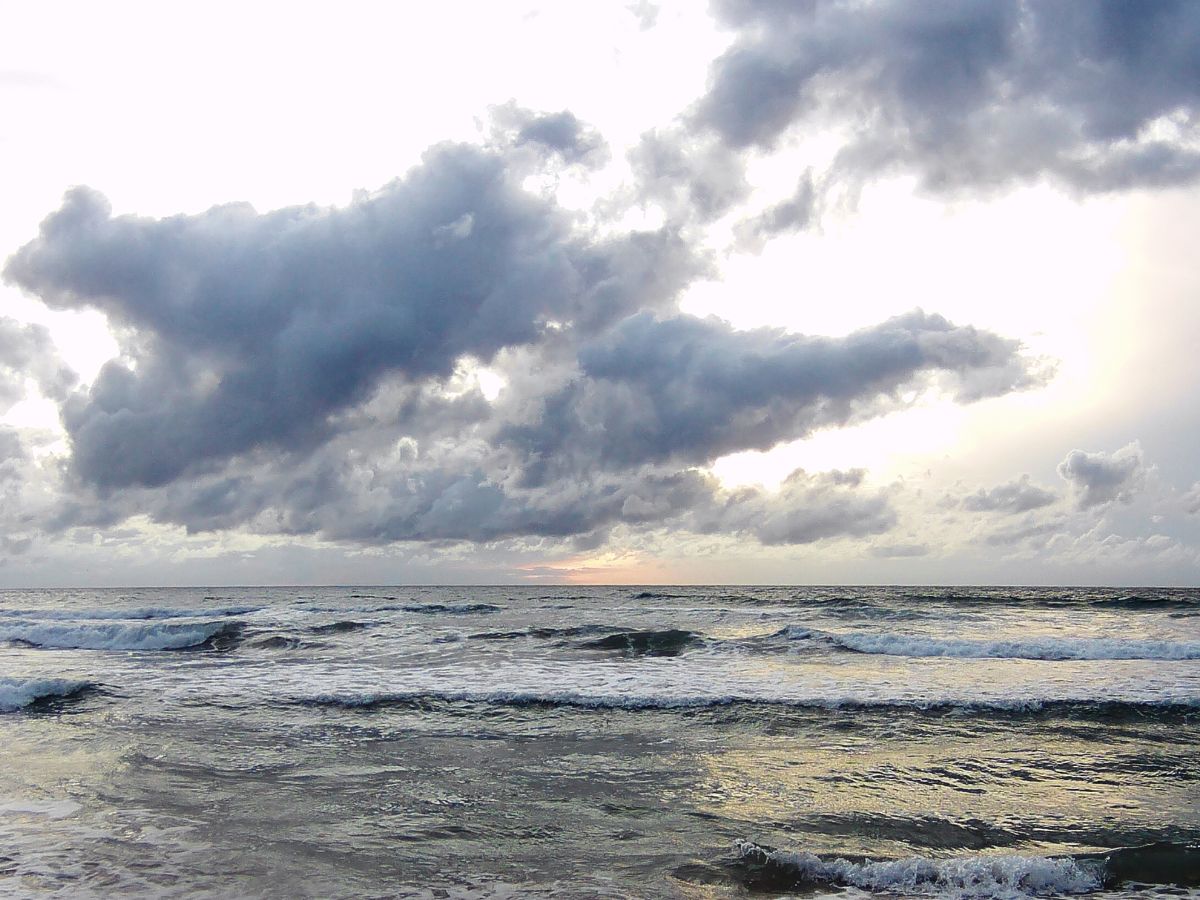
(691, 742)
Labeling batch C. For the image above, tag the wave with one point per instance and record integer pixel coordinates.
(118, 636)
(763, 868)
(542, 633)
(1139, 602)
(1046, 648)
(341, 627)
(453, 609)
(19, 693)
(670, 642)
(281, 642)
(1106, 710)
(137, 614)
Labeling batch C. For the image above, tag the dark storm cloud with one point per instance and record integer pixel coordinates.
(255, 328)
(27, 352)
(687, 390)
(969, 93)
(1015, 497)
(1099, 478)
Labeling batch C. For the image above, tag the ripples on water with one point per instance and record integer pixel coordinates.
(690, 742)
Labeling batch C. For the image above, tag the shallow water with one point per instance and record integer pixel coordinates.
(690, 742)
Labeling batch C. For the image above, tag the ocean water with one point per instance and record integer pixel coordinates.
(600, 742)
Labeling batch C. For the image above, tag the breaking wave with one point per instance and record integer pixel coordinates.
(763, 868)
(145, 612)
(117, 636)
(18, 693)
(1045, 648)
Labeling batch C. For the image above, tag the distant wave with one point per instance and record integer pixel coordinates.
(450, 609)
(1047, 648)
(139, 613)
(18, 693)
(453, 609)
(116, 636)
(763, 868)
(1139, 602)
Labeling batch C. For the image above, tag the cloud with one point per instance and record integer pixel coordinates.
(790, 215)
(692, 178)
(1013, 497)
(1100, 96)
(899, 551)
(806, 509)
(28, 352)
(1099, 478)
(687, 391)
(1028, 528)
(311, 371)
(255, 329)
(558, 134)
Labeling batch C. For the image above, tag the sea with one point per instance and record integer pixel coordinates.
(572, 742)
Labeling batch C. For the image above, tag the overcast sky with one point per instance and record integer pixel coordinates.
(805, 292)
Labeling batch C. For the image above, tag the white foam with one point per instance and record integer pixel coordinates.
(110, 636)
(1046, 648)
(971, 876)
(17, 693)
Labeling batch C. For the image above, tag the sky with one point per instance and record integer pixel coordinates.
(753, 292)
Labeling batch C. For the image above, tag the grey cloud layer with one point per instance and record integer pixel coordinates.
(970, 94)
